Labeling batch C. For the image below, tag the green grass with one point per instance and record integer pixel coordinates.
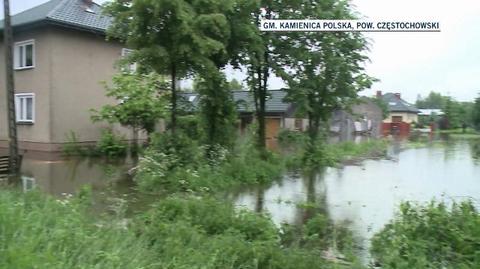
(350, 150)
(37, 231)
(40, 232)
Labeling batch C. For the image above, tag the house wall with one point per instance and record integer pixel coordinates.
(289, 123)
(90, 60)
(36, 80)
(364, 117)
(407, 117)
(69, 68)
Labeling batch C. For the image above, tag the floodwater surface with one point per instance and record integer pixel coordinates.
(365, 197)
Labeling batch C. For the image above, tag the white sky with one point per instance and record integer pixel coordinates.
(409, 63)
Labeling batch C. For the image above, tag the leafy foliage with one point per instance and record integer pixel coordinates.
(476, 114)
(173, 37)
(325, 71)
(217, 109)
(434, 100)
(111, 145)
(177, 164)
(140, 101)
(430, 236)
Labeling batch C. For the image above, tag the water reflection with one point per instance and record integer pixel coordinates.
(367, 196)
(69, 175)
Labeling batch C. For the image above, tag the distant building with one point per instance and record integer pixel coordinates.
(430, 112)
(401, 114)
(278, 113)
(365, 117)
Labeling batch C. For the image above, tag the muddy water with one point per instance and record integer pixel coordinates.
(365, 197)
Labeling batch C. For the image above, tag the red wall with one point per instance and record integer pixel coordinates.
(401, 128)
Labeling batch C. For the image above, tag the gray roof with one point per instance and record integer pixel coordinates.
(245, 104)
(275, 103)
(69, 13)
(397, 104)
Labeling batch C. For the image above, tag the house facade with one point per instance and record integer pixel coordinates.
(364, 117)
(402, 115)
(60, 58)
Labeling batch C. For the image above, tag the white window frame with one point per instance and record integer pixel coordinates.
(20, 64)
(28, 183)
(18, 97)
(132, 67)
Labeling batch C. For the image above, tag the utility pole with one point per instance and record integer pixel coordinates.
(10, 86)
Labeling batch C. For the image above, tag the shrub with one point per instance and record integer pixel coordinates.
(111, 145)
(178, 164)
(192, 232)
(292, 139)
(430, 236)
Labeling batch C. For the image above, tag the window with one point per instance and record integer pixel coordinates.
(298, 124)
(28, 183)
(24, 54)
(25, 107)
(397, 119)
(132, 67)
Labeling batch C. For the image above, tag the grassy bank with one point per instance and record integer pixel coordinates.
(459, 133)
(178, 232)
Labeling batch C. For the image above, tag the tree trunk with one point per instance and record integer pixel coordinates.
(173, 119)
(261, 113)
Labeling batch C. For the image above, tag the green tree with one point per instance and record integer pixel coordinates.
(141, 101)
(217, 109)
(171, 37)
(476, 113)
(234, 85)
(325, 70)
(434, 100)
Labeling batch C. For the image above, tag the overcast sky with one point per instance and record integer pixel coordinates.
(410, 63)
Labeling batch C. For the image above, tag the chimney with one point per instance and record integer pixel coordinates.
(397, 94)
(379, 94)
(88, 2)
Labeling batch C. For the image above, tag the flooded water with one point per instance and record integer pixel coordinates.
(62, 177)
(365, 197)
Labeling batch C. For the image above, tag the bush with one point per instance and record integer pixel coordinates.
(430, 236)
(111, 145)
(206, 233)
(179, 165)
(288, 139)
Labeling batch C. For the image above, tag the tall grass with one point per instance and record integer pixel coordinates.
(37, 231)
(40, 232)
